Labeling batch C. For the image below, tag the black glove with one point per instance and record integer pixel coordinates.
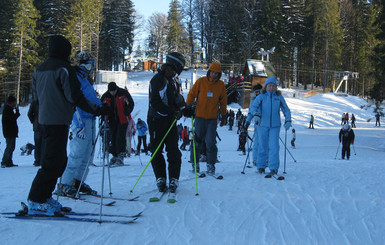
(188, 111)
(177, 115)
(102, 111)
(247, 125)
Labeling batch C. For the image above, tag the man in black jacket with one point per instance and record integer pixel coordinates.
(10, 130)
(57, 90)
(121, 105)
(165, 105)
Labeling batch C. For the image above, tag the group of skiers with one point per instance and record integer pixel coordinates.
(58, 87)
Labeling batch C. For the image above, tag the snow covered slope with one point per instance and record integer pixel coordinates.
(323, 200)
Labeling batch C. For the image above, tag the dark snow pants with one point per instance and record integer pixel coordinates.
(54, 162)
(158, 129)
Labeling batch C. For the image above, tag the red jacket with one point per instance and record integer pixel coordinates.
(121, 105)
(184, 134)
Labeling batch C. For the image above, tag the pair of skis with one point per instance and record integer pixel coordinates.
(171, 196)
(72, 216)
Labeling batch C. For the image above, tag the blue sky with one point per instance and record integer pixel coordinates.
(148, 7)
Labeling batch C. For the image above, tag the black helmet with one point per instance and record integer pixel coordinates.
(176, 60)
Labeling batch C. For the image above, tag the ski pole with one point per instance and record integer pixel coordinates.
(247, 157)
(195, 157)
(337, 150)
(354, 149)
(284, 159)
(287, 149)
(153, 154)
(105, 144)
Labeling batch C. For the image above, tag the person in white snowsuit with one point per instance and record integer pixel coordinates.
(250, 116)
(267, 116)
(82, 133)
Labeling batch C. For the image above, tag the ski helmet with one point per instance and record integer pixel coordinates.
(176, 60)
(85, 60)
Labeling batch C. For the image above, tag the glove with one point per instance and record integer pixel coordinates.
(81, 133)
(257, 119)
(247, 125)
(177, 115)
(102, 111)
(287, 125)
(134, 133)
(188, 111)
(340, 140)
(352, 142)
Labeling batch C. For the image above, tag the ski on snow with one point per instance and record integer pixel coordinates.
(114, 198)
(171, 197)
(202, 175)
(70, 216)
(268, 176)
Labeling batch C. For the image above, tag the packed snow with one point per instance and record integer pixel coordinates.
(323, 199)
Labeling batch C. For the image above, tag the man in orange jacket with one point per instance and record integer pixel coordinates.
(209, 92)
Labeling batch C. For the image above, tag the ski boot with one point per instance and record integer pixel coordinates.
(43, 209)
(161, 184)
(65, 190)
(84, 188)
(173, 185)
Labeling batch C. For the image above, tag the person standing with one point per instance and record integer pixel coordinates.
(269, 103)
(141, 126)
(121, 105)
(166, 104)
(311, 123)
(82, 134)
(293, 138)
(131, 130)
(10, 130)
(378, 120)
(209, 93)
(185, 139)
(33, 114)
(346, 136)
(57, 90)
(353, 119)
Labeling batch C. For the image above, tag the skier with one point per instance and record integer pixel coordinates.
(353, 119)
(242, 140)
(166, 104)
(231, 119)
(82, 134)
(141, 126)
(343, 119)
(185, 139)
(378, 120)
(311, 123)
(57, 90)
(10, 131)
(131, 130)
(250, 116)
(346, 136)
(209, 92)
(293, 138)
(121, 105)
(268, 104)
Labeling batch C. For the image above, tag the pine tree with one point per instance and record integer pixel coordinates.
(176, 34)
(22, 54)
(156, 42)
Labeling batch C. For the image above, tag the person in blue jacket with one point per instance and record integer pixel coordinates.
(142, 128)
(267, 108)
(82, 133)
(250, 116)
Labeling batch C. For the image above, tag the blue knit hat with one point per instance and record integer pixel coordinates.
(271, 80)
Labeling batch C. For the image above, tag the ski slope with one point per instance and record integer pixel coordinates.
(323, 200)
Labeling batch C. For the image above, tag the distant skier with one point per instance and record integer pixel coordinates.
(311, 123)
(353, 119)
(346, 136)
(378, 120)
(293, 138)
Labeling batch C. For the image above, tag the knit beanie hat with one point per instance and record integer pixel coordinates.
(215, 67)
(59, 47)
(271, 80)
(112, 86)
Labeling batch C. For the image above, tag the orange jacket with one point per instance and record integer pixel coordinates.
(210, 95)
